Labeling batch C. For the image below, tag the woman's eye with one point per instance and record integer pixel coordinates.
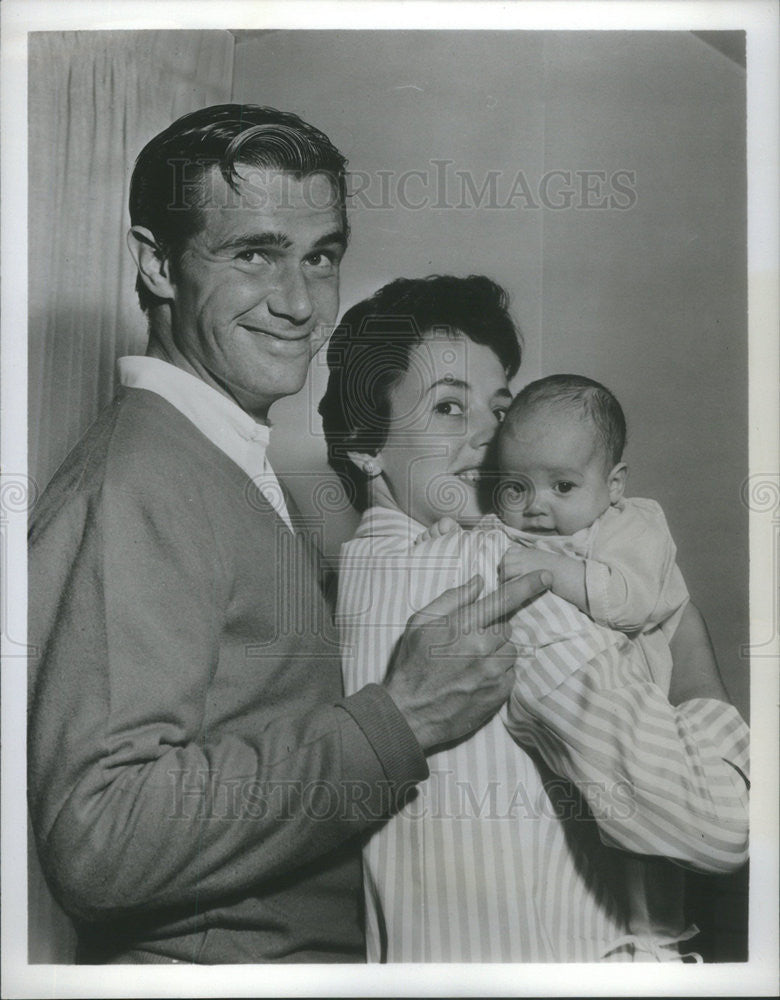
(500, 416)
(449, 408)
(564, 487)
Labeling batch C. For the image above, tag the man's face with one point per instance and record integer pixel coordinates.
(255, 292)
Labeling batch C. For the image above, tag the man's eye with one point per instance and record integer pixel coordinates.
(321, 261)
(250, 256)
(564, 487)
(500, 415)
(449, 408)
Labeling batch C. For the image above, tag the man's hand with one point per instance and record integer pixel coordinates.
(452, 667)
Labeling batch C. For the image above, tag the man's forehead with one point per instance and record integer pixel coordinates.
(268, 189)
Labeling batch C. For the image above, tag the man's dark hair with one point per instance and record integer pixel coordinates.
(370, 348)
(167, 187)
(591, 398)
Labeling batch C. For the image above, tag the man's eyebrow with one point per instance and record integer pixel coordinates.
(278, 241)
(503, 393)
(271, 240)
(338, 236)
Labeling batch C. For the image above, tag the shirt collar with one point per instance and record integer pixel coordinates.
(221, 420)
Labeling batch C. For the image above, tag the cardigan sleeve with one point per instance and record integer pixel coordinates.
(137, 805)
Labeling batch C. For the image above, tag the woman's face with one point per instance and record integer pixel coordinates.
(443, 415)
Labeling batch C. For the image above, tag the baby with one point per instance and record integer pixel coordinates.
(560, 498)
(560, 495)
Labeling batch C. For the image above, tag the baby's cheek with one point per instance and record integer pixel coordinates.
(510, 506)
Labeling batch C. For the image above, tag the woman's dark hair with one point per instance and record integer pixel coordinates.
(370, 348)
(169, 178)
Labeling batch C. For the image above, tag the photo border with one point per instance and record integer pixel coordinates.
(759, 974)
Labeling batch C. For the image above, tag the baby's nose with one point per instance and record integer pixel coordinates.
(534, 507)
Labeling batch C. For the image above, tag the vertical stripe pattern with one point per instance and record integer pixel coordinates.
(509, 850)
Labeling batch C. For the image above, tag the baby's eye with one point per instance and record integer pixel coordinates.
(564, 487)
(449, 408)
(514, 488)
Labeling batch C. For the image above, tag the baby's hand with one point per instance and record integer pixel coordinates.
(521, 559)
(443, 527)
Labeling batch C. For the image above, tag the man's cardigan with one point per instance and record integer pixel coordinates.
(196, 778)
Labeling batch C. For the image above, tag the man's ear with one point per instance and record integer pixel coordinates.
(151, 261)
(371, 465)
(616, 482)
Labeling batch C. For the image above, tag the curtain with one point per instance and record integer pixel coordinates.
(94, 100)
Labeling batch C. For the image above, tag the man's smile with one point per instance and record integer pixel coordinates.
(292, 336)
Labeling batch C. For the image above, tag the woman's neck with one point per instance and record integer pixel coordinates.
(379, 494)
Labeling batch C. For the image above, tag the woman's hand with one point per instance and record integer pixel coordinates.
(695, 671)
(452, 667)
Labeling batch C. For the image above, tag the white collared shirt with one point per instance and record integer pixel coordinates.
(222, 421)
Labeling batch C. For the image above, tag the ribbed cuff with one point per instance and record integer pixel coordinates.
(388, 732)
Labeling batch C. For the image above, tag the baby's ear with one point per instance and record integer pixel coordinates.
(616, 482)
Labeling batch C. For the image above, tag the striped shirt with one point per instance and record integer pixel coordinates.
(509, 853)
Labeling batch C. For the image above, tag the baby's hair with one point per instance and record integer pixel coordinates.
(591, 398)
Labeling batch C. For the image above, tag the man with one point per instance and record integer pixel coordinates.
(197, 781)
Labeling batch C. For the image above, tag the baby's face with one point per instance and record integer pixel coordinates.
(552, 475)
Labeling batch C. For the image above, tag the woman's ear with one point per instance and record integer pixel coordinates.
(616, 482)
(151, 261)
(371, 465)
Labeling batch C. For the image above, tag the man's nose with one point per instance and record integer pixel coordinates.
(290, 297)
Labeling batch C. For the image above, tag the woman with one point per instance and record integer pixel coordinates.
(497, 859)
